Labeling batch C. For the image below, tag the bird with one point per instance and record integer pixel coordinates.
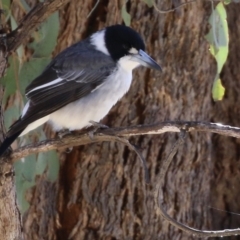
(82, 83)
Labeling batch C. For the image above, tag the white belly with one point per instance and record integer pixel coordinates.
(93, 107)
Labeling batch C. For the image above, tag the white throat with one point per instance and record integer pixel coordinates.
(127, 63)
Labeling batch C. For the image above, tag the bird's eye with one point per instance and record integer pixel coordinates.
(125, 46)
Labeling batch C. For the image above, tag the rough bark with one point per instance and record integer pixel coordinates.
(101, 193)
(10, 219)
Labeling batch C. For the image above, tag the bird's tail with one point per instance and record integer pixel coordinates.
(8, 141)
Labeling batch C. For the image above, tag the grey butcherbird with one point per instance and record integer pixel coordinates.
(83, 82)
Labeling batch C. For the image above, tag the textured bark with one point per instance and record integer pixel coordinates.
(10, 220)
(101, 193)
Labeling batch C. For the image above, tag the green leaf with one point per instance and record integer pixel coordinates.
(24, 179)
(26, 168)
(31, 70)
(45, 39)
(148, 2)
(6, 5)
(222, 36)
(125, 15)
(226, 2)
(218, 90)
(42, 163)
(20, 53)
(218, 36)
(48, 161)
(11, 115)
(53, 165)
(42, 159)
(22, 186)
(25, 6)
(13, 23)
(20, 50)
(219, 45)
(10, 80)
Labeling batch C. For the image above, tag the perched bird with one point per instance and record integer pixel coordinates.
(83, 82)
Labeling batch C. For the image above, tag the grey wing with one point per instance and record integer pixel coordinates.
(68, 78)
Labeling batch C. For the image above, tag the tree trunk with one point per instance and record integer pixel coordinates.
(101, 192)
(10, 219)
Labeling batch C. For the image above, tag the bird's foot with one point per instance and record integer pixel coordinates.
(96, 126)
(63, 133)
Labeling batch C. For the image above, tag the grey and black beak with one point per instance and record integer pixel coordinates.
(145, 60)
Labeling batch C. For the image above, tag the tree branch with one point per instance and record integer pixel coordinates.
(36, 16)
(10, 42)
(109, 134)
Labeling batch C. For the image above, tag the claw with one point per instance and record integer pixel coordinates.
(96, 126)
(63, 133)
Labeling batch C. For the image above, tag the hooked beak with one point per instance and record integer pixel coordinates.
(145, 60)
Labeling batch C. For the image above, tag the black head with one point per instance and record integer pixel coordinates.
(120, 39)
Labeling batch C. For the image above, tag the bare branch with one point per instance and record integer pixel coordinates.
(159, 201)
(179, 6)
(95, 6)
(37, 15)
(171, 9)
(109, 134)
(134, 148)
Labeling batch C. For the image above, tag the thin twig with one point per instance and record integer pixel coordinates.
(159, 201)
(168, 160)
(143, 161)
(36, 16)
(95, 6)
(179, 6)
(172, 9)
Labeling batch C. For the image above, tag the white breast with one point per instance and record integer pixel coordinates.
(96, 105)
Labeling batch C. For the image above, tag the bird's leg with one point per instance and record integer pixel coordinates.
(96, 126)
(63, 133)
